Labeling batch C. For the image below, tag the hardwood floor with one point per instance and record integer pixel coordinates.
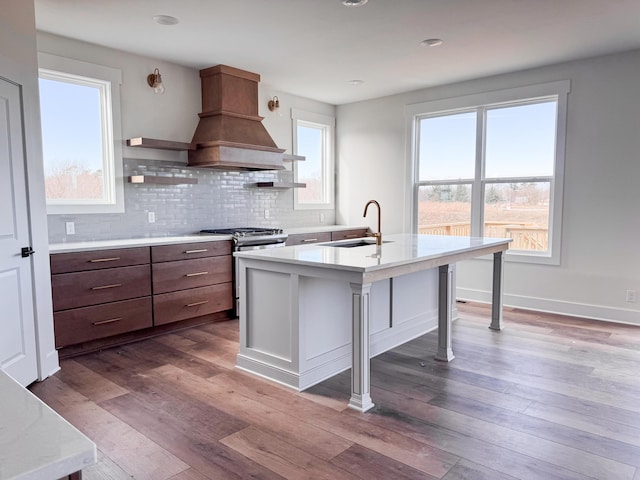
(549, 397)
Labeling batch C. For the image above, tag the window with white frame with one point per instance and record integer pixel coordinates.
(492, 165)
(80, 119)
(313, 138)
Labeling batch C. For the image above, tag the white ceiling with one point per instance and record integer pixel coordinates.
(313, 48)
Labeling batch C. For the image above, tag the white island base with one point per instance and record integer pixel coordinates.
(310, 312)
(297, 328)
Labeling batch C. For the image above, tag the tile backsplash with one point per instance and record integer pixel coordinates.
(219, 200)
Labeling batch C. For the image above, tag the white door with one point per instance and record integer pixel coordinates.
(17, 327)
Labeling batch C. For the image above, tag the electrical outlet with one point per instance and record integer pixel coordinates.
(70, 227)
(322, 218)
(266, 213)
(151, 217)
(632, 296)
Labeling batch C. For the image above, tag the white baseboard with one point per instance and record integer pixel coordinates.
(584, 310)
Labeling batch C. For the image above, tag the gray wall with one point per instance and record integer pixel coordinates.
(600, 258)
(220, 199)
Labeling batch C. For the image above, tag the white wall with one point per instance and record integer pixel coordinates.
(173, 115)
(600, 258)
(18, 63)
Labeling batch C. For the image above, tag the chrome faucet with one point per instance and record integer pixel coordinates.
(378, 234)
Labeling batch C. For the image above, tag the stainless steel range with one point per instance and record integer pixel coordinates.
(249, 238)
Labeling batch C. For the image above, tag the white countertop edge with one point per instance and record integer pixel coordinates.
(29, 429)
(64, 467)
(70, 247)
(133, 242)
(273, 255)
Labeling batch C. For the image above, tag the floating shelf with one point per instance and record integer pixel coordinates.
(292, 158)
(161, 180)
(159, 144)
(275, 185)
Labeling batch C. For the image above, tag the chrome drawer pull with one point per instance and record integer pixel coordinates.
(98, 260)
(201, 250)
(352, 235)
(195, 304)
(196, 274)
(102, 287)
(309, 240)
(111, 320)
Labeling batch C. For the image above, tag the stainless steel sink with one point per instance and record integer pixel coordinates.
(359, 242)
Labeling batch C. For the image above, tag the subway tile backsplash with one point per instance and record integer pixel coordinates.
(219, 200)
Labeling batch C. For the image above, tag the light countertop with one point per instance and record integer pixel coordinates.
(35, 442)
(68, 247)
(396, 250)
(133, 242)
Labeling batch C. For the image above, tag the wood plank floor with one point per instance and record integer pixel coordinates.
(550, 397)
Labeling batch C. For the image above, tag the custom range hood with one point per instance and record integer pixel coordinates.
(230, 134)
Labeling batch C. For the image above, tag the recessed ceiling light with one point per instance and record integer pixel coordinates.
(355, 83)
(165, 20)
(354, 3)
(431, 42)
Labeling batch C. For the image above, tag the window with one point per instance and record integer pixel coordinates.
(492, 165)
(313, 138)
(80, 115)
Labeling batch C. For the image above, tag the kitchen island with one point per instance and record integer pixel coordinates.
(35, 442)
(309, 312)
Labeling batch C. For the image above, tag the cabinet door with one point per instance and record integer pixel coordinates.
(184, 274)
(187, 251)
(80, 289)
(99, 321)
(175, 306)
(98, 259)
(346, 234)
(305, 238)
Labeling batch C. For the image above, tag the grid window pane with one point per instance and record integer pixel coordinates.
(447, 149)
(519, 211)
(521, 140)
(444, 210)
(72, 141)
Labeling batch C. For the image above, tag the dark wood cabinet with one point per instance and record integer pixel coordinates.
(184, 304)
(188, 251)
(191, 280)
(104, 297)
(81, 289)
(185, 274)
(100, 293)
(330, 236)
(99, 321)
(305, 238)
(346, 234)
(98, 259)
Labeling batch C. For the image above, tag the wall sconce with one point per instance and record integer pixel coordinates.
(155, 81)
(273, 104)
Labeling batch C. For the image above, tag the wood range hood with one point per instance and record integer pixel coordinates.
(230, 134)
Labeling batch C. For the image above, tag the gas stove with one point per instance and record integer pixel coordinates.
(251, 236)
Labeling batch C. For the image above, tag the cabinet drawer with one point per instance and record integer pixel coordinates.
(98, 259)
(345, 234)
(172, 307)
(184, 251)
(90, 323)
(304, 238)
(80, 289)
(180, 275)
